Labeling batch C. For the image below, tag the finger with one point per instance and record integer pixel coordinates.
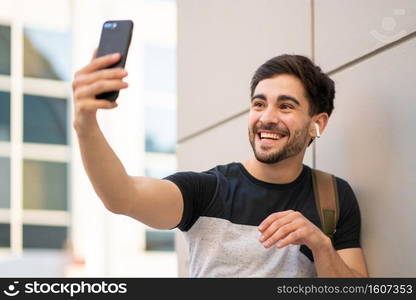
(295, 237)
(100, 63)
(94, 54)
(270, 219)
(98, 87)
(276, 225)
(283, 231)
(85, 79)
(93, 105)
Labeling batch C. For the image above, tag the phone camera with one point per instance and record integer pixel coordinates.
(110, 25)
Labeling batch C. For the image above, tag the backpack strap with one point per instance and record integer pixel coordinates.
(326, 198)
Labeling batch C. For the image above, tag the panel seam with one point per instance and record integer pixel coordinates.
(330, 73)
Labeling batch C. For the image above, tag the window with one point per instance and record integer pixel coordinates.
(41, 113)
(4, 182)
(160, 104)
(160, 68)
(5, 47)
(47, 54)
(4, 116)
(160, 240)
(45, 120)
(157, 172)
(5, 64)
(45, 185)
(160, 130)
(4, 235)
(45, 135)
(50, 237)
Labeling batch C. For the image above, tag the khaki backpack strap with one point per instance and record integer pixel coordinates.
(326, 198)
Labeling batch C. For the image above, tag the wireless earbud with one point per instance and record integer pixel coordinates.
(318, 134)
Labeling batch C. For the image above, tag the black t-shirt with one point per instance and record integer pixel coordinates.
(229, 199)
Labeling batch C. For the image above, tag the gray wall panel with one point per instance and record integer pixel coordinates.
(370, 139)
(220, 45)
(371, 142)
(345, 30)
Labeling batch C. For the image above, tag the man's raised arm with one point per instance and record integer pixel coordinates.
(157, 203)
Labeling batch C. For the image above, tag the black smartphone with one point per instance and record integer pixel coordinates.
(115, 37)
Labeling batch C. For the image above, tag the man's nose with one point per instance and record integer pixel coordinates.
(269, 115)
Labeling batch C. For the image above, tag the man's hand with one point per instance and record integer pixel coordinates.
(291, 227)
(91, 80)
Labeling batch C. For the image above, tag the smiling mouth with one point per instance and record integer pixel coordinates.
(270, 136)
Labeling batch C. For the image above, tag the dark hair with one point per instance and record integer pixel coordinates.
(320, 89)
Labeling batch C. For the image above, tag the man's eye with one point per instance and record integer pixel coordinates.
(286, 106)
(258, 104)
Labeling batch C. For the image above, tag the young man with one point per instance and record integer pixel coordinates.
(257, 218)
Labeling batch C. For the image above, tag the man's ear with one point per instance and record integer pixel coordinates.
(319, 123)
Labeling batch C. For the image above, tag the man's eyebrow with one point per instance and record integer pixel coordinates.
(287, 97)
(259, 96)
(279, 98)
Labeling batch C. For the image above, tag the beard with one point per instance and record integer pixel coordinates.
(291, 148)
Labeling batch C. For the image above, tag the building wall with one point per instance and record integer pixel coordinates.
(115, 245)
(34, 144)
(52, 223)
(368, 48)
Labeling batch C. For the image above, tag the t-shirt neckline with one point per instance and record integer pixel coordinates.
(279, 186)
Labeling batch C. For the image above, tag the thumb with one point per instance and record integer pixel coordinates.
(94, 54)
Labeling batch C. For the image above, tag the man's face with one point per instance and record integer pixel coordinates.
(279, 121)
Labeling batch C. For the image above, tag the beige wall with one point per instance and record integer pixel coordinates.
(368, 48)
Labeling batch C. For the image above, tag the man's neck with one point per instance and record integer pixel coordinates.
(285, 171)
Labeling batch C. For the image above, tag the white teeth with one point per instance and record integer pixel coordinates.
(270, 135)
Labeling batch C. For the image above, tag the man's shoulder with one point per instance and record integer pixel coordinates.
(225, 168)
(222, 170)
(342, 185)
(346, 193)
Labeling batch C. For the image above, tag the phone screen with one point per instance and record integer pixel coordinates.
(115, 37)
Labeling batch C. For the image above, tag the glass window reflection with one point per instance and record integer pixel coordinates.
(160, 127)
(4, 235)
(46, 237)
(47, 54)
(5, 47)
(4, 116)
(4, 182)
(45, 120)
(160, 240)
(157, 173)
(44, 185)
(160, 69)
